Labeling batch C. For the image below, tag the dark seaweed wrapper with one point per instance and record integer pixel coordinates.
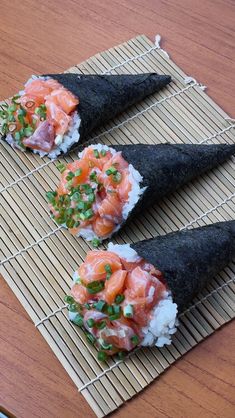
(102, 97)
(167, 167)
(189, 259)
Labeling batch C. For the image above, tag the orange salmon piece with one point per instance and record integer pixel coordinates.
(103, 226)
(114, 285)
(124, 187)
(59, 117)
(79, 293)
(37, 88)
(93, 267)
(64, 99)
(52, 84)
(111, 207)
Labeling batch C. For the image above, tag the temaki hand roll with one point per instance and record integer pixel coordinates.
(107, 186)
(130, 295)
(56, 111)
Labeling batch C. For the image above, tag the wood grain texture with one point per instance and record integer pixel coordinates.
(200, 39)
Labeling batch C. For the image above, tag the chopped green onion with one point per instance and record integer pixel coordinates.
(114, 316)
(116, 309)
(61, 167)
(111, 170)
(51, 196)
(106, 346)
(135, 339)
(95, 287)
(91, 197)
(101, 325)
(69, 299)
(77, 224)
(82, 205)
(78, 172)
(11, 118)
(14, 98)
(95, 242)
(110, 310)
(82, 216)
(96, 153)
(128, 311)
(117, 177)
(78, 320)
(69, 176)
(13, 108)
(76, 196)
(119, 299)
(74, 307)
(87, 306)
(121, 355)
(86, 188)
(60, 220)
(100, 305)
(90, 338)
(90, 322)
(70, 223)
(93, 176)
(108, 270)
(28, 131)
(102, 356)
(69, 212)
(69, 184)
(88, 214)
(103, 152)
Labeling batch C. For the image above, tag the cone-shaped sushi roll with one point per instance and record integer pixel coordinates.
(56, 111)
(106, 186)
(130, 295)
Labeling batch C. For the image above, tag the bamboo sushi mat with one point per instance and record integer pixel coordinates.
(38, 257)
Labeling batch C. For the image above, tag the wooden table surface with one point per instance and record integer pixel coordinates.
(49, 36)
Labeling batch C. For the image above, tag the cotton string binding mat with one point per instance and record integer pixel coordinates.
(38, 257)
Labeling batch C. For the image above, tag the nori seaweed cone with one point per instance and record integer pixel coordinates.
(102, 97)
(166, 167)
(189, 259)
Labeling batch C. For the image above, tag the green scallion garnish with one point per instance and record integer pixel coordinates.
(102, 356)
(96, 153)
(121, 355)
(90, 338)
(78, 320)
(108, 270)
(78, 172)
(70, 175)
(100, 305)
(61, 167)
(117, 177)
(51, 196)
(119, 299)
(95, 242)
(103, 152)
(95, 287)
(90, 322)
(111, 170)
(74, 307)
(100, 325)
(114, 316)
(69, 299)
(135, 339)
(88, 214)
